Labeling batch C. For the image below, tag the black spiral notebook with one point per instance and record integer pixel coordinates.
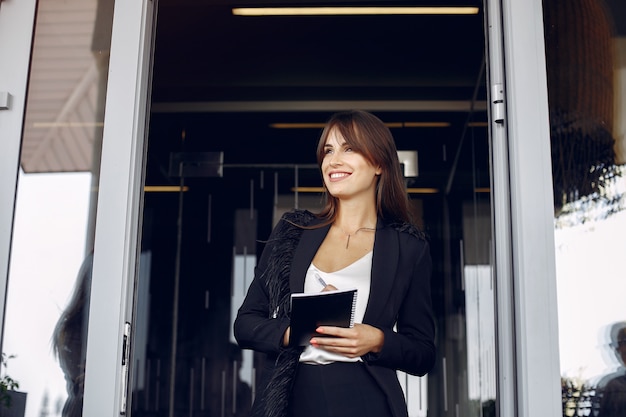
(328, 308)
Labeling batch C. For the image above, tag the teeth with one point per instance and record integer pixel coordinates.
(338, 175)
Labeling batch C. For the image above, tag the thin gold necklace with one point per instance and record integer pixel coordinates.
(349, 235)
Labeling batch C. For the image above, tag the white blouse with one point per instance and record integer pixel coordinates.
(356, 275)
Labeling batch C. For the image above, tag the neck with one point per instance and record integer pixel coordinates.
(352, 218)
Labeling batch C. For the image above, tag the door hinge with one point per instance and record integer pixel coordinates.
(497, 103)
(125, 368)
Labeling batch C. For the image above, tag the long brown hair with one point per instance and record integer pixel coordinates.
(368, 135)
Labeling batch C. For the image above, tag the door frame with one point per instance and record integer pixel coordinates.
(118, 212)
(528, 299)
(528, 345)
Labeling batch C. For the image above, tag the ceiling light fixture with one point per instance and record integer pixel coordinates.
(422, 190)
(335, 11)
(164, 188)
(426, 124)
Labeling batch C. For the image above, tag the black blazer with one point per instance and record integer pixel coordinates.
(399, 295)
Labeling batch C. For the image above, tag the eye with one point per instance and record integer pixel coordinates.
(328, 151)
(349, 149)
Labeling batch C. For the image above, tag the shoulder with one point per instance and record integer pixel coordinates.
(297, 217)
(292, 223)
(409, 230)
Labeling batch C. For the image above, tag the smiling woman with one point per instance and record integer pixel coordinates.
(391, 267)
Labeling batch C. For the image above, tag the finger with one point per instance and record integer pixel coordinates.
(334, 341)
(344, 347)
(329, 287)
(334, 331)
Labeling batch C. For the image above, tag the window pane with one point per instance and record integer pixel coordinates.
(586, 64)
(45, 331)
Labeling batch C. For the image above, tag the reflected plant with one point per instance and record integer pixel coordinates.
(577, 397)
(6, 383)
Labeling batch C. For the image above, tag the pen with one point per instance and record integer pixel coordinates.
(321, 280)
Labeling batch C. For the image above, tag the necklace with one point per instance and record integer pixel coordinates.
(349, 235)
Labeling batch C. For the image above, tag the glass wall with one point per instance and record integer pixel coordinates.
(586, 68)
(45, 329)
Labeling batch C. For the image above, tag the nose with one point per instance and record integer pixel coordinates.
(335, 159)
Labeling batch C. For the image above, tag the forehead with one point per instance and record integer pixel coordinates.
(335, 138)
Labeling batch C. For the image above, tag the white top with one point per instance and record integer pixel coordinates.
(356, 275)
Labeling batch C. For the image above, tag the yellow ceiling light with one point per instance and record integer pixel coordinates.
(426, 124)
(413, 190)
(307, 189)
(336, 11)
(164, 188)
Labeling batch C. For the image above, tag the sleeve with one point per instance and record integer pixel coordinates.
(410, 346)
(254, 328)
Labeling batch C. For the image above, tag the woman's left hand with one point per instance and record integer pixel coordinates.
(351, 342)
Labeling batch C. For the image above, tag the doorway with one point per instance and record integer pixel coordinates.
(237, 108)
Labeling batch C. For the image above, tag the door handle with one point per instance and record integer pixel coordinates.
(5, 98)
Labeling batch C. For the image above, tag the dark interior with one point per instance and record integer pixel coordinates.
(206, 56)
(219, 82)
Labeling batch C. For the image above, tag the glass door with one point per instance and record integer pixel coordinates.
(57, 128)
(231, 146)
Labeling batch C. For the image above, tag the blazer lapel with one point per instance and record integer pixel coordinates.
(310, 241)
(384, 265)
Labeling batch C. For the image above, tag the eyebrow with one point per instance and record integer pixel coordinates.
(341, 145)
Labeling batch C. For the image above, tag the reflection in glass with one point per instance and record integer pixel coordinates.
(586, 69)
(45, 331)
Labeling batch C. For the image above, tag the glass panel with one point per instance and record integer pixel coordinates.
(50, 267)
(586, 64)
(217, 180)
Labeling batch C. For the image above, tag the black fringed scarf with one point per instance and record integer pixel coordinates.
(275, 399)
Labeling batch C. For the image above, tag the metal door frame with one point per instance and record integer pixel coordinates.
(528, 346)
(119, 207)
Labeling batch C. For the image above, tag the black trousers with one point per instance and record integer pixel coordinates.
(339, 389)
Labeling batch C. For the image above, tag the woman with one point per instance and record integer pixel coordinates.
(362, 238)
